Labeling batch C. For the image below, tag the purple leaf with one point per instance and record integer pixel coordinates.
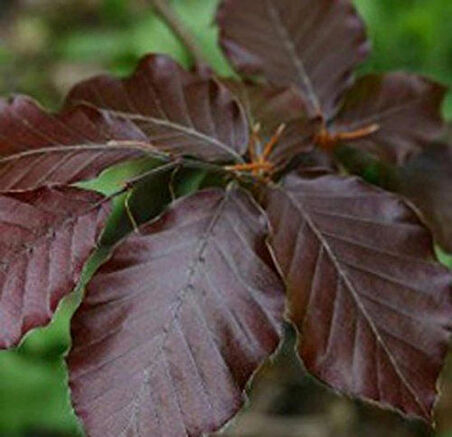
(271, 107)
(426, 180)
(37, 148)
(175, 110)
(46, 235)
(373, 309)
(405, 107)
(313, 44)
(175, 324)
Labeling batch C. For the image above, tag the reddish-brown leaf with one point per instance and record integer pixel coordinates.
(272, 107)
(373, 309)
(427, 181)
(37, 148)
(175, 110)
(313, 44)
(46, 235)
(317, 162)
(406, 108)
(173, 327)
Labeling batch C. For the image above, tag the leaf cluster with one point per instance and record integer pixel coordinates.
(272, 226)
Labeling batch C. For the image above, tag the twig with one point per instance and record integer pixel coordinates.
(130, 183)
(178, 27)
(169, 163)
(166, 157)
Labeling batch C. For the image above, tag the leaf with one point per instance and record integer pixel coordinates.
(267, 104)
(175, 324)
(406, 107)
(316, 162)
(271, 107)
(372, 308)
(37, 148)
(427, 180)
(175, 110)
(148, 196)
(46, 235)
(313, 44)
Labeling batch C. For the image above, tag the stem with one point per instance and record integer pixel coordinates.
(272, 143)
(178, 27)
(171, 163)
(166, 157)
(153, 171)
(328, 141)
(129, 184)
(357, 134)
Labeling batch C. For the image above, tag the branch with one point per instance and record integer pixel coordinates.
(181, 31)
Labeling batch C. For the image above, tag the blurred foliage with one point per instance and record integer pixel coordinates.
(34, 400)
(411, 35)
(48, 45)
(54, 43)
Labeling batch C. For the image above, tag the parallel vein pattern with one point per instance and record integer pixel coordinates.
(314, 45)
(37, 148)
(174, 109)
(46, 235)
(373, 309)
(173, 327)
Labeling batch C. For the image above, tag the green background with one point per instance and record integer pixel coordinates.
(44, 49)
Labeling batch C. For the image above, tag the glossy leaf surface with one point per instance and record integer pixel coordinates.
(175, 324)
(38, 148)
(46, 235)
(372, 308)
(314, 45)
(405, 107)
(175, 110)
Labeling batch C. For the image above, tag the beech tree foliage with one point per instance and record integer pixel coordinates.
(191, 303)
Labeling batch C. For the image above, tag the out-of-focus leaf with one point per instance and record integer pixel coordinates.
(46, 236)
(146, 200)
(372, 307)
(175, 324)
(174, 109)
(427, 181)
(405, 107)
(314, 45)
(37, 148)
(445, 258)
(187, 181)
(316, 162)
(197, 15)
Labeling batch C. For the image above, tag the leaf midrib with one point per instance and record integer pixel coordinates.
(293, 54)
(61, 148)
(380, 116)
(166, 330)
(179, 128)
(47, 234)
(354, 293)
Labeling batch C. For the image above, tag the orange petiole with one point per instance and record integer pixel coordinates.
(271, 144)
(327, 141)
(259, 164)
(359, 133)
